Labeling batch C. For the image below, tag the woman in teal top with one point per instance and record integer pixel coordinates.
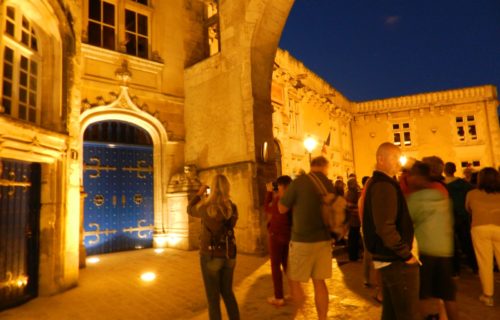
(430, 210)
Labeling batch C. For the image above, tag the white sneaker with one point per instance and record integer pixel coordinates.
(487, 300)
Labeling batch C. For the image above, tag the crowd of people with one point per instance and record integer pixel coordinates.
(413, 225)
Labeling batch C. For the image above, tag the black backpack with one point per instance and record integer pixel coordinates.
(223, 242)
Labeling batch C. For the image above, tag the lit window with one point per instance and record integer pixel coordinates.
(136, 33)
(294, 121)
(21, 75)
(397, 139)
(105, 21)
(468, 164)
(407, 139)
(102, 24)
(401, 134)
(466, 128)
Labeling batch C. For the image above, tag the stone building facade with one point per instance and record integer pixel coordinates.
(71, 65)
(202, 81)
(306, 106)
(460, 125)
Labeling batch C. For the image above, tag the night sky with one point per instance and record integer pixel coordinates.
(371, 49)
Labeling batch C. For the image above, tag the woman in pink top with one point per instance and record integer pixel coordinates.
(484, 205)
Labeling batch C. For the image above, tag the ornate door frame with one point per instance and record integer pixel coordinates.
(124, 109)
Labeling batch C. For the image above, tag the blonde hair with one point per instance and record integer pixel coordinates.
(218, 201)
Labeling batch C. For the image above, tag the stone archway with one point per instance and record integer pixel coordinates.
(125, 110)
(266, 35)
(228, 109)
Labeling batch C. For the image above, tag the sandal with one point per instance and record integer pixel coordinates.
(276, 302)
(378, 296)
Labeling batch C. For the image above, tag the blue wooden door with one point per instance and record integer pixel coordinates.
(118, 180)
(19, 225)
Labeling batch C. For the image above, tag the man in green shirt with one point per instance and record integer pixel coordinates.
(310, 254)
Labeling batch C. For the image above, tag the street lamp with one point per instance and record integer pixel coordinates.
(403, 160)
(310, 144)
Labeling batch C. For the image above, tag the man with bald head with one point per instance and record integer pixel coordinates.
(388, 236)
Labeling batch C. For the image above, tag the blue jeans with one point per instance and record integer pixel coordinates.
(401, 286)
(218, 278)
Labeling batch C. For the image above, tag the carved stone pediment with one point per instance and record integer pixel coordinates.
(184, 181)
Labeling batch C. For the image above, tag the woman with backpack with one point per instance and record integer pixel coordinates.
(217, 245)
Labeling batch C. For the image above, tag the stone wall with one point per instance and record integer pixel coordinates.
(306, 106)
(432, 119)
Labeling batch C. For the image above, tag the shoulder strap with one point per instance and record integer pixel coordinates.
(318, 184)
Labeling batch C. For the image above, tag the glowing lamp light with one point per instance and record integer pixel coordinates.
(93, 260)
(161, 241)
(403, 160)
(173, 239)
(148, 276)
(22, 281)
(310, 144)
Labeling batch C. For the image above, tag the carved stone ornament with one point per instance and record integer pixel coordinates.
(155, 56)
(185, 181)
(123, 74)
(120, 99)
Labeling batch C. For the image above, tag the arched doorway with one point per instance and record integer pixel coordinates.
(118, 180)
(19, 231)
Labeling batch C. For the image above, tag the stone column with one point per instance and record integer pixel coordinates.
(83, 253)
(182, 230)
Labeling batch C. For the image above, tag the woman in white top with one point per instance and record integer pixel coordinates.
(484, 205)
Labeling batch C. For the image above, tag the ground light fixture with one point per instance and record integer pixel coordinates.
(148, 276)
(93, 260)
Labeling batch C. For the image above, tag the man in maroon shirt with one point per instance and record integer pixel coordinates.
(279, 227)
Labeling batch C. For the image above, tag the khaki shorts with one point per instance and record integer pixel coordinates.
(309, 260)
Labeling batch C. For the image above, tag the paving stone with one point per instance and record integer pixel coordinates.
(112, 290)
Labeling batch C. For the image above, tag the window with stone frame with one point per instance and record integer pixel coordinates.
(471, 164)
(212, 27)
(20, 69)
(127, 30)
(401, 134)
(466, 127)
(294, 118)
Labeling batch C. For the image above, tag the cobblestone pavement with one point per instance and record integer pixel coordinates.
(112, 289)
